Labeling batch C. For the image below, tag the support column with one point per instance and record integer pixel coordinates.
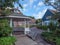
(26, 31)
(11, 23)
(25, 27)
(28, 24)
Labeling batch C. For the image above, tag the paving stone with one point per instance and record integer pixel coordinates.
(24, 40)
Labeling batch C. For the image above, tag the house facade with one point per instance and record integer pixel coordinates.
(46, 19)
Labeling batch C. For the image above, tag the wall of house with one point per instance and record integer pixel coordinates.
(18, 22)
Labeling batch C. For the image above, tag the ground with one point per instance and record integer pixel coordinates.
(25, 40)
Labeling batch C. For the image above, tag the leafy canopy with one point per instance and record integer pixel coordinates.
(54, 3)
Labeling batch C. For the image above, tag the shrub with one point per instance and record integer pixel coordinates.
(57, 32)
(39, 26)
(5, 29)
(44, 27)
(32, 26)
(52, 26)
(7, 40)
(49, 36)
(57, 41)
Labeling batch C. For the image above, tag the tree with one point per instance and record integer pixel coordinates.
(38, 21)
(54, 3)
(32, 17)
(7, 3)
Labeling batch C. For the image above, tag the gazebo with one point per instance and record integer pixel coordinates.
(19, 22)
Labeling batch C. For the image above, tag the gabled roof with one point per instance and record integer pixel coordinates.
(17, 14)
(47, 15)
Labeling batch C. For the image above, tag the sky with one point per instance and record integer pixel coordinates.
(35, 8)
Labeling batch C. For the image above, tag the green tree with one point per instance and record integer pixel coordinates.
(38, 21)
(54, 3)
(5, 29)
(7, 3)
(32, 17)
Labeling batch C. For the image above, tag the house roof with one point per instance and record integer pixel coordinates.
(47, 16)
(17, 15)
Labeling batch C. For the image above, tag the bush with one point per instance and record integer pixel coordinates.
(39, 26)
(5, 29)
(32, 26)
(7, 40)
(57, 41)
(50, 37)
(44, 27)
(57, 32)
(52, 26)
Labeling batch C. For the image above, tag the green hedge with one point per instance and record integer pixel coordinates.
(57, 41)
(5, 29)
(32, 26)
(7, 40)
(50, 37)
(44, 27)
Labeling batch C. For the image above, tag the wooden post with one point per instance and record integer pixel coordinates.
(28, 24)
(10, 22)
(11, 25)
(25, 27)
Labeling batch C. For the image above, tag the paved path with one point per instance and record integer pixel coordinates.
(24, 40)
(39, 39)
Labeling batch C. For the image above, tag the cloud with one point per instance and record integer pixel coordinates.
(31, 2)
(40, 3)
(40, 14)
(25, 5)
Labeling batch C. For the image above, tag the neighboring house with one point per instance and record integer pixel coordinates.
(32, 22)
(18, 22)
(47, 17)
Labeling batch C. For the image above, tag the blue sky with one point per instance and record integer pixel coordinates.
(35, 8)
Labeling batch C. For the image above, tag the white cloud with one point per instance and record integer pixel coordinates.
(25, 5)
(40, 4)
(40, 14)
(31, 2)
